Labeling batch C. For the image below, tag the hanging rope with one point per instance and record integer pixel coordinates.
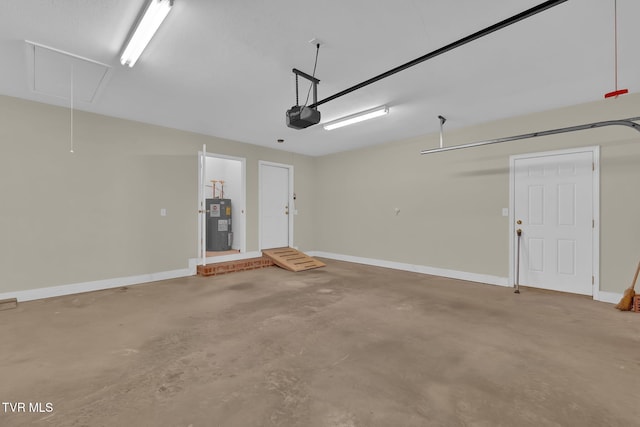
(315, 64)
(615, 40)
(617, 91)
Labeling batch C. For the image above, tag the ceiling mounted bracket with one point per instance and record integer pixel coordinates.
(442, 122)
(314, 82)
(623, 122)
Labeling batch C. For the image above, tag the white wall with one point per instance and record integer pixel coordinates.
(103, 202)
(450, 203)
(96, 219)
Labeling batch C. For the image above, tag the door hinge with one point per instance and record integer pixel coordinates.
(593, 166)
(593, 280)
(593, 223)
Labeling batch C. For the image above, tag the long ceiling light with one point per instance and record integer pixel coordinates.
(156, 11)
(356, 118)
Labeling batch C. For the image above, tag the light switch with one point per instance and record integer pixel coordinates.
(505, 211)
(163, 212)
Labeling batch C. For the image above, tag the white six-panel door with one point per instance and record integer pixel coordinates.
(553, 206)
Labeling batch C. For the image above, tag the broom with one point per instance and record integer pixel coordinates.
(627, 298)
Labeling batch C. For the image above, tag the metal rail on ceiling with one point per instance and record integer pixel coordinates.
(622, 122)
(486, 31)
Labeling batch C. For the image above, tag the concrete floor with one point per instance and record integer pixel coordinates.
(346, 345)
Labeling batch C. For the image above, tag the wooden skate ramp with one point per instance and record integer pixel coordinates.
(291, 259)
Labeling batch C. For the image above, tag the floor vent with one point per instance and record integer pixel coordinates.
(7, 304)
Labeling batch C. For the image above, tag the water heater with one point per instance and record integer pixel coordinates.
(219, 233)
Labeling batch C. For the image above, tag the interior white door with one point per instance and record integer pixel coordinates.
(553, 207)
(274, 206)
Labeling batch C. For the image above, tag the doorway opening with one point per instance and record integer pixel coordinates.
(222, 206)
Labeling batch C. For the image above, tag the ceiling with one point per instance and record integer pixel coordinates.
(223, 68)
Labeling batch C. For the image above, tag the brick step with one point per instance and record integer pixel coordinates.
(233, 266)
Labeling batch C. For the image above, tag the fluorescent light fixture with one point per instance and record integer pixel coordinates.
(358, 117)
(156, 11)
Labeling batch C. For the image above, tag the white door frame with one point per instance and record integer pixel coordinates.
(261, 164)
(595, 150)
(202, 155)
(202, 223)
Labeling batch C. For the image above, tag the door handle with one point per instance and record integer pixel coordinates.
(519, 222)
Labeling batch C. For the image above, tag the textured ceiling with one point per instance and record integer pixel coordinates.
(223, 68)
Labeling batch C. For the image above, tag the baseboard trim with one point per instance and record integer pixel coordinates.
(434, 271)
(611, 297)
(602, 296)
(98, 285)
(75, 288)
